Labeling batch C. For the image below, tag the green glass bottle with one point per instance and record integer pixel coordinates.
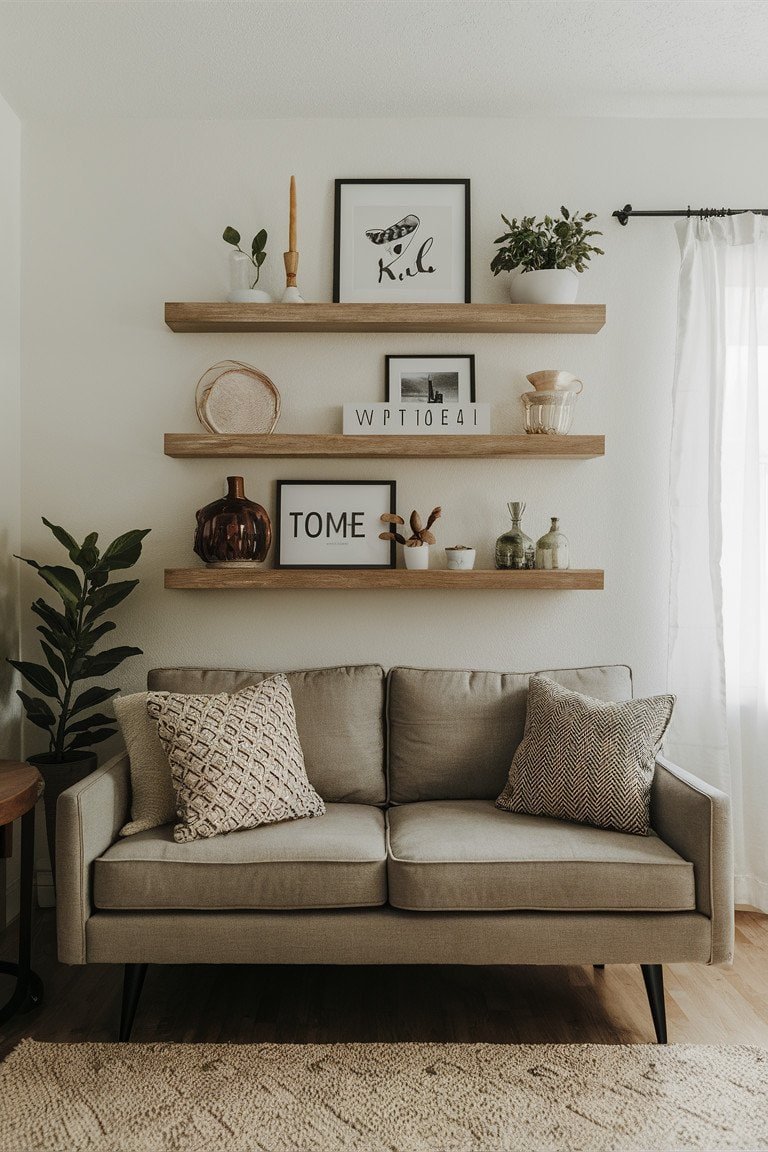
(514, 549)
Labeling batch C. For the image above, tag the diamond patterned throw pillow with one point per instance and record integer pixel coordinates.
(235, 758)
(591, 761)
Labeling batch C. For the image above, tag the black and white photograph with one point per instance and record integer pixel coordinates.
(430, 379)
(401, 241)
(333, 523)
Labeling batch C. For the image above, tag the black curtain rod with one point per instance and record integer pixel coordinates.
(623, 214)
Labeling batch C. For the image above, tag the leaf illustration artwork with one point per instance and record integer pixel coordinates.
(403, 227)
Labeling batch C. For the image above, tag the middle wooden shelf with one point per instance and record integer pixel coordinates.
(195, 445)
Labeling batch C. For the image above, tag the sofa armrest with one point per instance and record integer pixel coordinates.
(695, 820)
(88, 818)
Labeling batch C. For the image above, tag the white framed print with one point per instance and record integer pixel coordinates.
(430, 379)
(333, 523)
(401, 241)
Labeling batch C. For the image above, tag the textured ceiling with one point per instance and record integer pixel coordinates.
(257, 58)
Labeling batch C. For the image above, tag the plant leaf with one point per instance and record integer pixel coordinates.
(100, 600)
(104, 662)
(435, 514)
(55, 662)
(231, 235)
(38, 712)
(259, 242)
(87, 739)
(63, 538)
(390, 518)
(90, 697)
(124, 551)
(39, 677)
(415, 522)
(65, 581)
(92, 721)
(91, 636)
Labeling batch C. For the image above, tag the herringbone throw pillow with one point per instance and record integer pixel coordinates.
(235, 758)
(591, 761)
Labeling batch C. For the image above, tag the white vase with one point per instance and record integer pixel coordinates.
(545, 286)
(417, 558)
(249, 296)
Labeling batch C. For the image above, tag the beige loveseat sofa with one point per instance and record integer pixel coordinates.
(413, 863)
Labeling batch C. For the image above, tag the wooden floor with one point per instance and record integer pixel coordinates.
(323, 1005)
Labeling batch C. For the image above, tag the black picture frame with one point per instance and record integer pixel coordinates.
(389, 485)
(468, 356)
(466, 290)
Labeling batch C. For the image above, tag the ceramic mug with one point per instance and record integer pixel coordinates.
(460, 559)
(553, 380)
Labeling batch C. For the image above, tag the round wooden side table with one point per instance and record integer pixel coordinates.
(20, 786)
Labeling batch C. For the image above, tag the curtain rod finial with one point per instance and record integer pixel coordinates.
(623, 214)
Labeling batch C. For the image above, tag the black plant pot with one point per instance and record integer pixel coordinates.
(58, 775)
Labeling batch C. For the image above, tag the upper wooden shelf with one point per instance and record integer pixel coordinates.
(218, 317)
(392, 579)
(206, 445)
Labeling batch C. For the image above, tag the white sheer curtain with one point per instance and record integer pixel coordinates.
(718, 658)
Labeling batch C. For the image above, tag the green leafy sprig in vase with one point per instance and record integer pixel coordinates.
(245, 269)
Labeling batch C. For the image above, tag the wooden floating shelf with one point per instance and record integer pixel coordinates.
(400, 579)
(218, 317)
(207, 446)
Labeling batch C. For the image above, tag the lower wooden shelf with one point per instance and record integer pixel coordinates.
(330, 579)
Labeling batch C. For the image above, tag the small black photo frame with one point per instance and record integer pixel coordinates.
(334, 523)
(401, 241)
(430, 379)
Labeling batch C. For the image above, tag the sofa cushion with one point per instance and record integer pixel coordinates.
(153, 800)
(235, 759)
(585, 759)
(336, 862)
(453, 734)
(339, 717)
(466, 855)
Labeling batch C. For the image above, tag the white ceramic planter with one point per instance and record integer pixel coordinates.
(417, 558)
(547, 286)
(249, 296)
(460, 559)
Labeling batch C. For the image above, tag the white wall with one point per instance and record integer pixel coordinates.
(10, 468)
(121, 216)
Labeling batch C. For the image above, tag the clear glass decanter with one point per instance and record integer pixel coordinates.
(514, 549)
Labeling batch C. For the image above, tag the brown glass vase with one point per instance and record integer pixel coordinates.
(233, 530)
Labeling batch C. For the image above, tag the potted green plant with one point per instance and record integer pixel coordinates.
(245, 270)
(68, 639)
(545, 256)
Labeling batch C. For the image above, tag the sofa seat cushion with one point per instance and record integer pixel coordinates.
(467, 855)
(338, 861)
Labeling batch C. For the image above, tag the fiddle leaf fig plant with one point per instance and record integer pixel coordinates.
(69, 635)
(420, 534)
(532, 245)
(258, 248)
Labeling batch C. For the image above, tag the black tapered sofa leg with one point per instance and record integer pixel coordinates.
(653, 975)
(598, 967)
(133, 982)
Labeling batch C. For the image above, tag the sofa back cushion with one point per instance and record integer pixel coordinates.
(453, 734)
(339, 717)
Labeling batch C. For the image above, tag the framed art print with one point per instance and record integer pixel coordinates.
(333, 523)
(401, 241)
(430, 379)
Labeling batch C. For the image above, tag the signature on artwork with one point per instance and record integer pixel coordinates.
(396, 240)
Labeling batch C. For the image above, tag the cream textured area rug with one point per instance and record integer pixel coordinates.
(381, 1098)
